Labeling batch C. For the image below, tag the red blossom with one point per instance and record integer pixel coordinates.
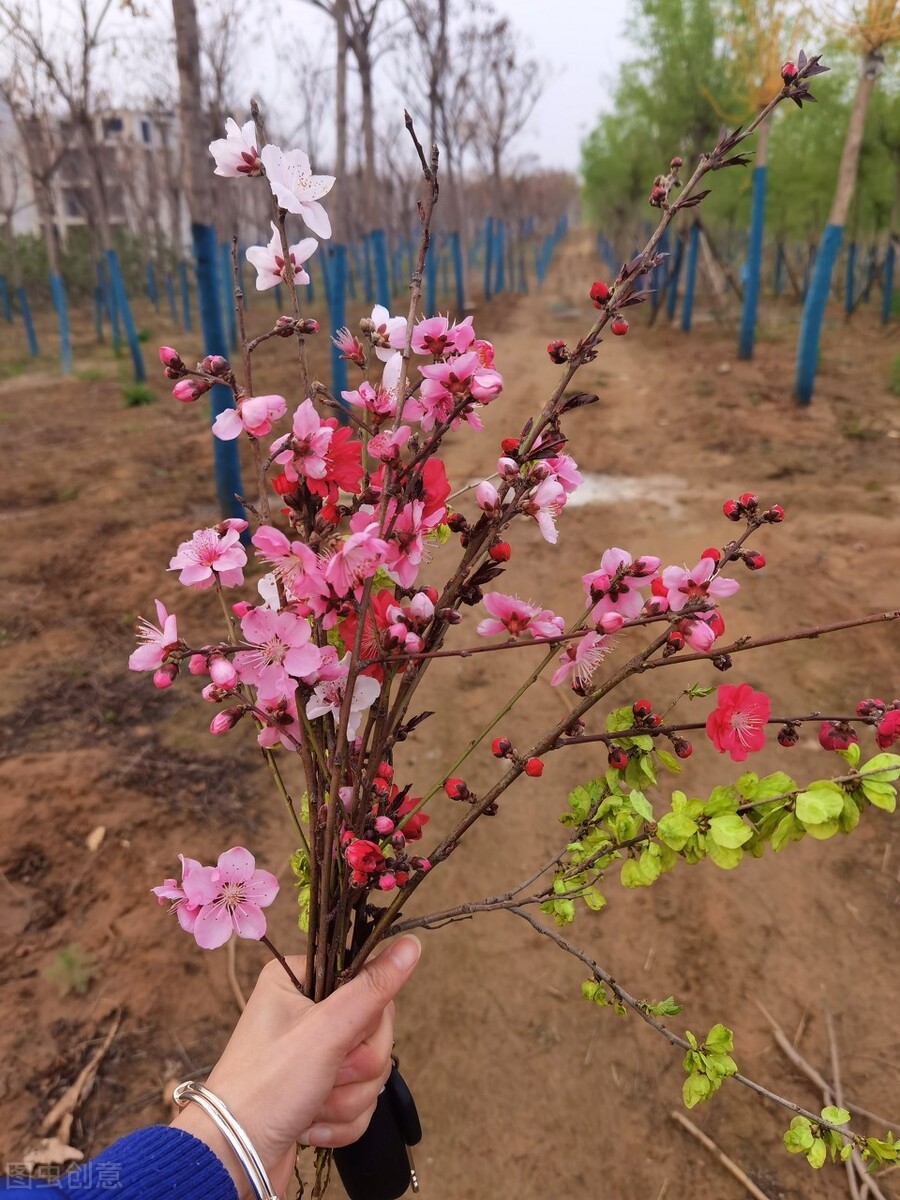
(737, 725)
(888, 730)
(364, 857)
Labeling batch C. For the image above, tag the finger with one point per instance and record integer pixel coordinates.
(332, 1136)
(367, 1060)
(352, 1009)
(344, 1104)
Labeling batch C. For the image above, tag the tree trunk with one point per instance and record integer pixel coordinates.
(849, 167)
(364, 63)
(340, 155)
(194, 168)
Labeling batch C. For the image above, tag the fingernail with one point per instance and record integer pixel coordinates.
(319, 1135)
(405, 954)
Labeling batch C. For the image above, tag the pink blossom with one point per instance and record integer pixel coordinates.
(699, 584)
(350, 347)
(328, 697)
(406, 543)
(212, 553)
(297, 567)
(231, 900)
(253, 414)
(445, 384)
(545, 504)
(295, 187)
(580, 660)
(269, 260)
(304, 452)
(513, 616)
(701, 631)
(280, 649)
(236, 154)
(358, 556)
(487, 497)
(196, 879)
(738, 722)
(389, 335)
(565, 470)
(435, 336)
(379, 401)
(888, 729)
(281, 724)
(155, 643)
(614, 588)
(387, 446)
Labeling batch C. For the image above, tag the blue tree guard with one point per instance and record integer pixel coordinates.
(488, 256)
(690, 279)
(22, 299)
(458, 287)
(152, 293)
(871, 266)
(185, 293)
(368, 273)
(500, 255)
(228, 295)
(887, 282)
(674, 275)
(225, 454)
(170, 296)
(58, 296)
(336, 285)
(754, 265)
(850, 280)
(379, 252)
(122, 306)
(814, 312)
(808, 268)
(4, 298)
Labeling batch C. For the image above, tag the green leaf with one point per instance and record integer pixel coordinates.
(798, 1139)
(822, 801)
(595, 992)
(748, 785)
(787, 830)
(719, 1040)
(823, 831)
(675, 829)
(562, 911)
(847, 1148)
(835, 1116)
(641, 805)
(887, 766)
(669, 761)
(776, 784)
(851, 754)
(580, 802)
(730, 831)
(816, 1154)
(882, 795)
(441, 534)
(593, 899)
(698, 691)
(696, 1089)
(620, 718)
(632, 874)
(663, 1008)
(725, 859)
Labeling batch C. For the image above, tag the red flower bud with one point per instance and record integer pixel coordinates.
(599, 293)
(676, 162)
(534, 767)
(500, 747)
(683, 748)
(713, 553)
(618, 758)
(749, 501)
(653, 721)
(170, 358)
(283, 486)
(620, 326)
(385, 771)
(754, 560)
(788, 736)
(641, 709)
(789, 72)
(658, 196)
(500, 552)
(557, 351)
(836, 735)
(732, 510)
(775, 514)
(675, 640)
(456, 789)
(509, 445)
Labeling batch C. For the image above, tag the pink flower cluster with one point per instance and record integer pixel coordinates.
(212, 903)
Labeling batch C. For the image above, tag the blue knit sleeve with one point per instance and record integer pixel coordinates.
(156, 1163)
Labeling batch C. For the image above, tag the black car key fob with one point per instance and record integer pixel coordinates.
(379, 1166)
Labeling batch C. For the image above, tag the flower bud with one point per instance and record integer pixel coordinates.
(189, 390)
(221, 671)
(789, 72)
(676, 162)
(619, 326)
(732, 510)
(558, 352)
(749, 501)
(675, 640)
(641, 709)
(170, 358)
(682, 747)
(788, 736)
(611, 622)
(774, 515)
(534, 767)
(420, 864)
(450, 616)
(213, 694)
(384, 825)
(599, 293)
(197, 664)
(658, 196)
(285, 326)
(226, 719)
(500, 747)
(618, 758)
(398, 841)
(500, 552)
(456, 789)
(385, 771)
(713, 553)
(509, 445)
(387, 880)
(487, 498)
(308, 326)
(164, 677)
(215, 364)
(507, 468)
(753, 560)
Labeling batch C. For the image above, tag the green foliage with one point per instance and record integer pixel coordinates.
(300, 868)
(816, 1141)
(136, 395)
(707, 1064)
(73, 970)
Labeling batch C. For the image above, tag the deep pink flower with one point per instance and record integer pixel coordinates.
(513, 616)
(363, 856)
(210, 553)
(231, 900)
(155, 643)
(406, 543)
(236, 154)
(435, 336)
(738, 722)
(282, 725)
(387, 446)
(697, 584)
(254, 414)
(565, 470)
(194, 877)
(269, 260)
(836, 735)
(357, 556)
(350, 348)
(303, 452)
(380, 402)
(888, 729)
(621, 596)
(295, 564)
(580, 660)
(281, 651)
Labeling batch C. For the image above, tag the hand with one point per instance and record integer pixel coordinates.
(294, 1071)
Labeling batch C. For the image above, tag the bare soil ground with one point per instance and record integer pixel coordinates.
(525, 1090)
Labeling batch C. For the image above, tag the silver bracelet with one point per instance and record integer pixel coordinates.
(231, 1131)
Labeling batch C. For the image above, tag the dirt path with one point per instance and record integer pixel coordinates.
(525, 1090)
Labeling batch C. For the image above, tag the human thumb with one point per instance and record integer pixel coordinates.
(352, 1010)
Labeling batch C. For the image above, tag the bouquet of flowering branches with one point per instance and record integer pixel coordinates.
(327, 662)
